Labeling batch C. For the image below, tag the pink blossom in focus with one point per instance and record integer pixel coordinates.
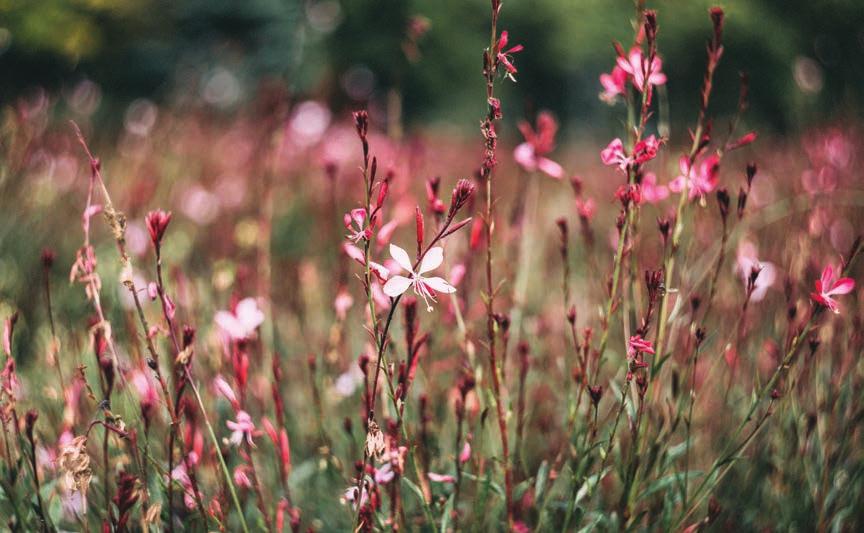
(827, 287)
(700, 180)
(636, 65)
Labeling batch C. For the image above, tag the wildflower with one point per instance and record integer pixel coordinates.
(747, 262)
(530, 154)
(242, 322)
(354, 223)
(614, 83)
(225, 390)
(241, 477)
(636, 65)
(385, 474)
(701, 179)
(423, 286)
(342, 303)
(242, 428)
(614, 155)
(651, 192)
(350, 496)
(646, 149)
(157, 222)
(638, 345)
(504, 56)
(465, 454)
(827, 286)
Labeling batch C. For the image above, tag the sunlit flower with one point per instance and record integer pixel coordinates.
(243, 321)
(827, 286)
(423, 286)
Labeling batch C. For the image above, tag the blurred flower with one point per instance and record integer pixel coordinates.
(613, 84)
(746, 262)
(530, 154)
(651, 192)
(241, 479)
(827, 286)
(242, 322)
(700, 180)
(242, 428)
(441, 478)
(423, 286)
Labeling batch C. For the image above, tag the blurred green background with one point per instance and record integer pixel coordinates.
(803, 56)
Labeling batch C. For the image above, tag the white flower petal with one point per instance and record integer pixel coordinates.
(401, 256)
(396, 286)
(439, 285)
(432, 260)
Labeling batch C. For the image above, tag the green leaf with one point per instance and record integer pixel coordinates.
(542, 478)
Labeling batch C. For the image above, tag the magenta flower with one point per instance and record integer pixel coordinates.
(157, 222)
(614, 84)
(638, 345)
(504, 56)
(423, 286)
(827, 286)
(614, 156)
(651, 192)
(636, 65)
(700, 180)
(531, 154)
(355, 223)
(242, 322)
(242, 428)
(441, 478)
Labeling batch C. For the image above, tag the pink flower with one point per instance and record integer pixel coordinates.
(504, 55)
(355, 223)
(586, 208)
(342, 303)
(638, 345)
(243, 427)
(613, 84)
(423, 286)
(700, 180)
(746, 262)
(223, 388)
(380, 271)
(242, 322)
(646, 149)
(384, 474)
(530, 154)
(651, 192)
(827, 286)
(614, 155)
(465, 454)
(157, 222)
(636, 65)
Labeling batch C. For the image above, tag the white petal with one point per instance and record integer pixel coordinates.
(230, 325)
(396, 286)
(439, 285)
(249, 315)
(401, 256)
(432, 260)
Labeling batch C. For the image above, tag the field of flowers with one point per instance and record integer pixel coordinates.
(293, 318)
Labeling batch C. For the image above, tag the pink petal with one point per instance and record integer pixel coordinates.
(843, 286)
(550, 168)
(524, 155)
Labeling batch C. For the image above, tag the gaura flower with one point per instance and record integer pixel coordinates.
(242, 428)
(827, 286)
(423, 286)
(504, 55)
(651, 192)
(746, 261)
(355, 223)
(638, 345)
(242, 322)
(613, 84)
(644, 151)
(700, 180)
(636, 65)
(531, 154)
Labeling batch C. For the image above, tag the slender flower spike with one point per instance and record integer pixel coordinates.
(355, 223)
(827, 286)
(242, 428)
(423, 286)
(531, 154)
